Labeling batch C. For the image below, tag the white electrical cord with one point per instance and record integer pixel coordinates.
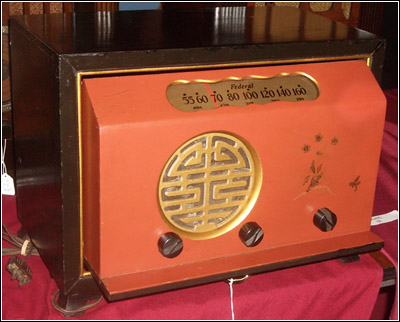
(231, 291)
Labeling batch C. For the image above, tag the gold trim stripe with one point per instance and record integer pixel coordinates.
(367, 58)
(78, 82)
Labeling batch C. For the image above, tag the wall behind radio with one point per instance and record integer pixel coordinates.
(124, 6)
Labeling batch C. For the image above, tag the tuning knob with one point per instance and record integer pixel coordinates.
(251, 234)
(324, 219)
(170, 245)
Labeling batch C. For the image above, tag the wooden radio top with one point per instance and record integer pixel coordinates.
(171, 29)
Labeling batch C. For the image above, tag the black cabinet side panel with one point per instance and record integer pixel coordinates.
(35, 97)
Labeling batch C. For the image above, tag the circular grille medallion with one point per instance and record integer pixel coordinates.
(209, 185)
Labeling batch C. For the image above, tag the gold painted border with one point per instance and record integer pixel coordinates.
(81, 74)
(367, 58)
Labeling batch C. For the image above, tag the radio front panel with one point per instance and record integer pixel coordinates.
(194, 176)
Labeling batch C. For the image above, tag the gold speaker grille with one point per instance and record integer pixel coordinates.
(209, 185)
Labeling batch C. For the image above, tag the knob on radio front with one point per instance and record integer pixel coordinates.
(170, 245)
(325, 219)
(251, 234)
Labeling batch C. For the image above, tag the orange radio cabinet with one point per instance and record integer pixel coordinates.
(162, 149)
(150, 169)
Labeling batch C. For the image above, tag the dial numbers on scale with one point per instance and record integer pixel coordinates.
(197, 95)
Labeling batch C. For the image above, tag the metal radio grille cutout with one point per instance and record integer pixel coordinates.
(209, 185)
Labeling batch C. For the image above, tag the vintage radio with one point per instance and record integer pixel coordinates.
(148, 159)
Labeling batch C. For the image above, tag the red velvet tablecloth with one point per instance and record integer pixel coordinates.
(321, 291)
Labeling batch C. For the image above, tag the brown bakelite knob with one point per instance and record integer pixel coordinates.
(251, 234)
(170, 245)
(324, 219)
